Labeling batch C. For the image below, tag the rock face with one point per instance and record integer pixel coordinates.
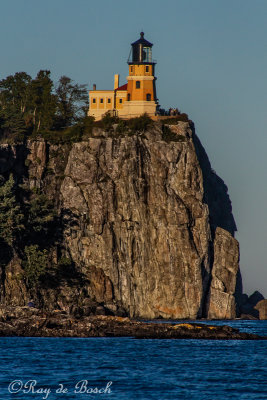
(221, 301)
(261, 306)
(247, 305)
(25, 321)
(146, 221)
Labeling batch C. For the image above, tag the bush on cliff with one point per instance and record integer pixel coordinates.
(35, 264)
(116, 126)
(108, 121)
(11, 214)
(72, 134)
(41, 219)
(139, 124)
(169, 136)
(173, 120)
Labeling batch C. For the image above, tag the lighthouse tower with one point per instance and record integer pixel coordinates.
(141, 87)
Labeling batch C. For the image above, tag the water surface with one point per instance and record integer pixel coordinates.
(138, 369)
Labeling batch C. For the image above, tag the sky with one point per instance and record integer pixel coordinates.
(211, 63)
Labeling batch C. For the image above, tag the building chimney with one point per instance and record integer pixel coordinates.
(116, 81)
(94, 86)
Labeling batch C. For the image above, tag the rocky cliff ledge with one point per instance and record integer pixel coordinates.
(30, 322)
(145, 221)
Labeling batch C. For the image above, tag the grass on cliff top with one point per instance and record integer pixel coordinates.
(173, 120)
(114, 126)
(132, 125)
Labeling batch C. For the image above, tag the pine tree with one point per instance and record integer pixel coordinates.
(35, 264)
(41, 217)
(43, 101)
(11, 216)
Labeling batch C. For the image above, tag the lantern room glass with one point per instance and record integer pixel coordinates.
(147, 54)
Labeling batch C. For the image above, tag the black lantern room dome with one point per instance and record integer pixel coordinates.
(142, 41)
(141, 51)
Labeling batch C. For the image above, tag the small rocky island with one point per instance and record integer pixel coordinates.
(109, 219)
(31, 322)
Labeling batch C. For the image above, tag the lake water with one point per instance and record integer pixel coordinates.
(126, 368)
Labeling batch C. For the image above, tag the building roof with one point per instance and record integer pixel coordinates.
(123, 87)
(100, 91)
(143, 41)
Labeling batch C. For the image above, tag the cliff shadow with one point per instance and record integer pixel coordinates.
(215, 193)
(12, 161)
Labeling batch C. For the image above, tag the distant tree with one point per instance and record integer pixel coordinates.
(15, 92)
(15, 103)
(43, 101)
(12, 123)
(29, 101)
(34, 105)
(11, 215)
(72, 101)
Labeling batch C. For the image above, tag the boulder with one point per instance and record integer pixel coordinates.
(261, 306)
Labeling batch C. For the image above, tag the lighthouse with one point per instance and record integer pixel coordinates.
(138, 95)
(141, 88)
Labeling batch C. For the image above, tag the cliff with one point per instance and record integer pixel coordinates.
(144, 220)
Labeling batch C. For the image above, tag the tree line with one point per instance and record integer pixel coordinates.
(28, 228)
(30, 105)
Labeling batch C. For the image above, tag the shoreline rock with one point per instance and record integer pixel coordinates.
(261, 306)
(31, 322)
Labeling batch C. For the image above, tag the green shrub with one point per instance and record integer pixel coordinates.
(87, 125)
(140, 123)
(122, 127)
(108, 121)
(41, 217)
(183, 117)
(69, 135)
(73, 133)
(35, 264)
(169, 136)
(65, 262)
(11, 213)
(173, 120)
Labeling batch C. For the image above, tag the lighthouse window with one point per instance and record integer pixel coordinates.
(147, 54)
(109, 100)
(137, 85)
(93, 100)
(147, 68)
(101, 100)
(148, 97)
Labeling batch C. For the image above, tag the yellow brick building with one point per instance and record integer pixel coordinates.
(138, 95)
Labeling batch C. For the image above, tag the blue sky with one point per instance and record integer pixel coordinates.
(212, 64)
